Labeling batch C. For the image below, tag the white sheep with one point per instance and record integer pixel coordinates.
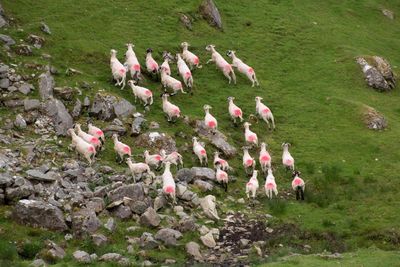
(223, 163)
(95, 131)
(221, 63)
(270, 185)
(139, 169)
(172, 111)
(151, 64)
(121, 149)
(132, 62)
(82, 147)
(298, 185)
(165, 65)
(287, 159)
(250, 136)
(234, 111)
(117, 69)
(243, 68)
(248, 161)
(173, 158)
(264, 112)
(184, 71)
(168, 182)
(252, 185)
(199, 151)
(144, 94)
(189, 57)
(209, 120)
(265, 158)
(170, 82)
(222, 177)
(94, 141)
(153, 160)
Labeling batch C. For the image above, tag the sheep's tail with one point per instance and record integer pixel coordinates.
(190, 81)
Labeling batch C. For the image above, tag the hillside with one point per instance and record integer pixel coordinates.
(304, 54)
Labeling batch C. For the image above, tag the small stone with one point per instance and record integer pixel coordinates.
(168, 236)
(208, 240)
(20, 122)
(110, 225)
(99, 239)
(193, 249)
(154, 125)
(44, 28)
(150, 218)
(38, 263)
(389, 14)
(31, 104)
(4, 83)
(25, 88)
(82, 256)
(23, 50)
(7, 40)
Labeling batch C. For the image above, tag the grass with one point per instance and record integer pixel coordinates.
(303, 53)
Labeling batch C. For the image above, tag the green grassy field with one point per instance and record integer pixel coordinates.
(304, 55)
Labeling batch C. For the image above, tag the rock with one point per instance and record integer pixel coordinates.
(373, 119)
(203, 185)
(85, 222)
(114, 129)
(20, 122)
(136, 206)
(39, 214)
(44, 28)
(210, 12)
(193, 249)
(37, 262)
(373, 77)
(208, 240)
(86, 102)
(5, 179)
(102, 107)
(383, 66)
(71, 71)
(13, 103)
(137, 125)
(203, 173)
(46, 85)
(62, 120)
(168, 236)
(110, 225)
(31, 104)
(25, 88)
(77, 109)
(122, 212)
(217, 139)
(22, 189)
(157, 141)
(4, 83)
(23, 50)
(182, 192)
(4, 71)
(111, 257)
(99, 239)
(132, 191)
(96, 203)
(82, 256)
(147, 241)
(7, 40)
(123, 108)
(65, 93)
(187, 224)
(389, 14)
(35, 40)
(38, 175)
(244, 242)
(55, 252)
(3, 21)
(150, 218)
(208, 205)
(186, 21)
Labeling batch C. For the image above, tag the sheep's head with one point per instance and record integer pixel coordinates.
(263, 145)
(361, 61)
(296, 173)
(230, 98)
(130, 45)
(230, 53)
(77, 127)
(185, 45)
(149, 50)
(210, 47)
(246, 124)
(194, 139)
(245, 148)
(207, 107)
(113, 52)
(167, 56)
(255, 172)
(128, 160)
(258, 98)
(70, 131)
(131, 83)
(115, 137)
(178, 56)
(164, 96)
(285, 145)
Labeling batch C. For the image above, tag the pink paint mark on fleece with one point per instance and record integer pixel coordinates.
(196, 60)
(170, 189)
(158, 157)
(237, 112)
(270, 186)
(154, 66)
(127, 150)
(249, 184)
(252, 138)
(91, 149)
(297, 181)
(288, 161)
(94, 140)
(265, 158)
(250, 70)
(188, 74)
(122, 71)
(136, 67)
(266, 110)
(203, 152)
(212, 124)
(99, 132)
(177, 111)
(249, 162)
(228, 68)
(148, 93)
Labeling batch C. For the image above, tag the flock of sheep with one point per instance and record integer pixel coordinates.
(86, 144)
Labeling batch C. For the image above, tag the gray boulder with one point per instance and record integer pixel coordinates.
(20, 122)
(85, 222)
(82, 256)
(147, 241)
(168, 236)
(189, 175)
(373, 77)
(62, 120)
(4, 83)
(25, 88)
(77, 109)
(150, 218)
(193, 249)
(99, 239)
(373, 119)
(22, 188)
(123, 108)
(37, 174)
(39, 214)
(157, 141)
(102, 106)
(46, 85)
(210, 12)
(7, 40)
(6, 179)
(44, 28)
(132, 191)
(137, 125)
(31, 104)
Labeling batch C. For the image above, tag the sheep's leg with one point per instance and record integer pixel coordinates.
(297, 194)
(226, 187)
(302, 194)
(233, 76)
(123, 82)
(228, 76)
(210, 60)
(273, 122)
(255, 79)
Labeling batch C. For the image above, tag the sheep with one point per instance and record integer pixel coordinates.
(151, 64)
(170, 82)
(173, 158)
(117, 69)
(243, 68)
(94, 141)
(121, 149)
(132, 62)
(154, 160)
(143, 93)
(234, 111)
(221, 63)
(218, 161)
(165, 65)
(252, 185)
(139, 169)
(97, 132)
(199, 151)
(172, 111)
(250, 137)
(298, 185)
(287, 159)
(184, 71)
(168, 182)
(265, 158)
(222, 177)
(264, 112)
(209, 120)
(189, 57)
(248, 161)
(82, 147)
(270, 185)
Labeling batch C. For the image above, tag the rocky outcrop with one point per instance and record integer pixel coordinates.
(46, 85)
(156, 141)
(61, 119)
(375, 75)
(107, 107)
(208, 205)
(373, 119)
(210, 12)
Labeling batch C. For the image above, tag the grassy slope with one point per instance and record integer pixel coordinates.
(303, 53)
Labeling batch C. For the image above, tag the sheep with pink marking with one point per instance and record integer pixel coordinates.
(151, 64)
(250, 136)
(189, 57)
(168, 186)
(138, 169)
(234, 111)
(184, 71)
(82, 147)
(209, 120)
(298, 185)
(249, 162)
(117, 69)
(243, 68)
(264, 112)
(173, 158)
(270, 185)
(97, 132)
(153, 160)
(221, 162)
(287, 159)
(199, 151)
(93, 140)
(121, 149)
(264, 158)
(252, 185)
(144, 94)
(222, 177)
(172, 111)
(221, 63)
(170, 82)
(132, 62)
